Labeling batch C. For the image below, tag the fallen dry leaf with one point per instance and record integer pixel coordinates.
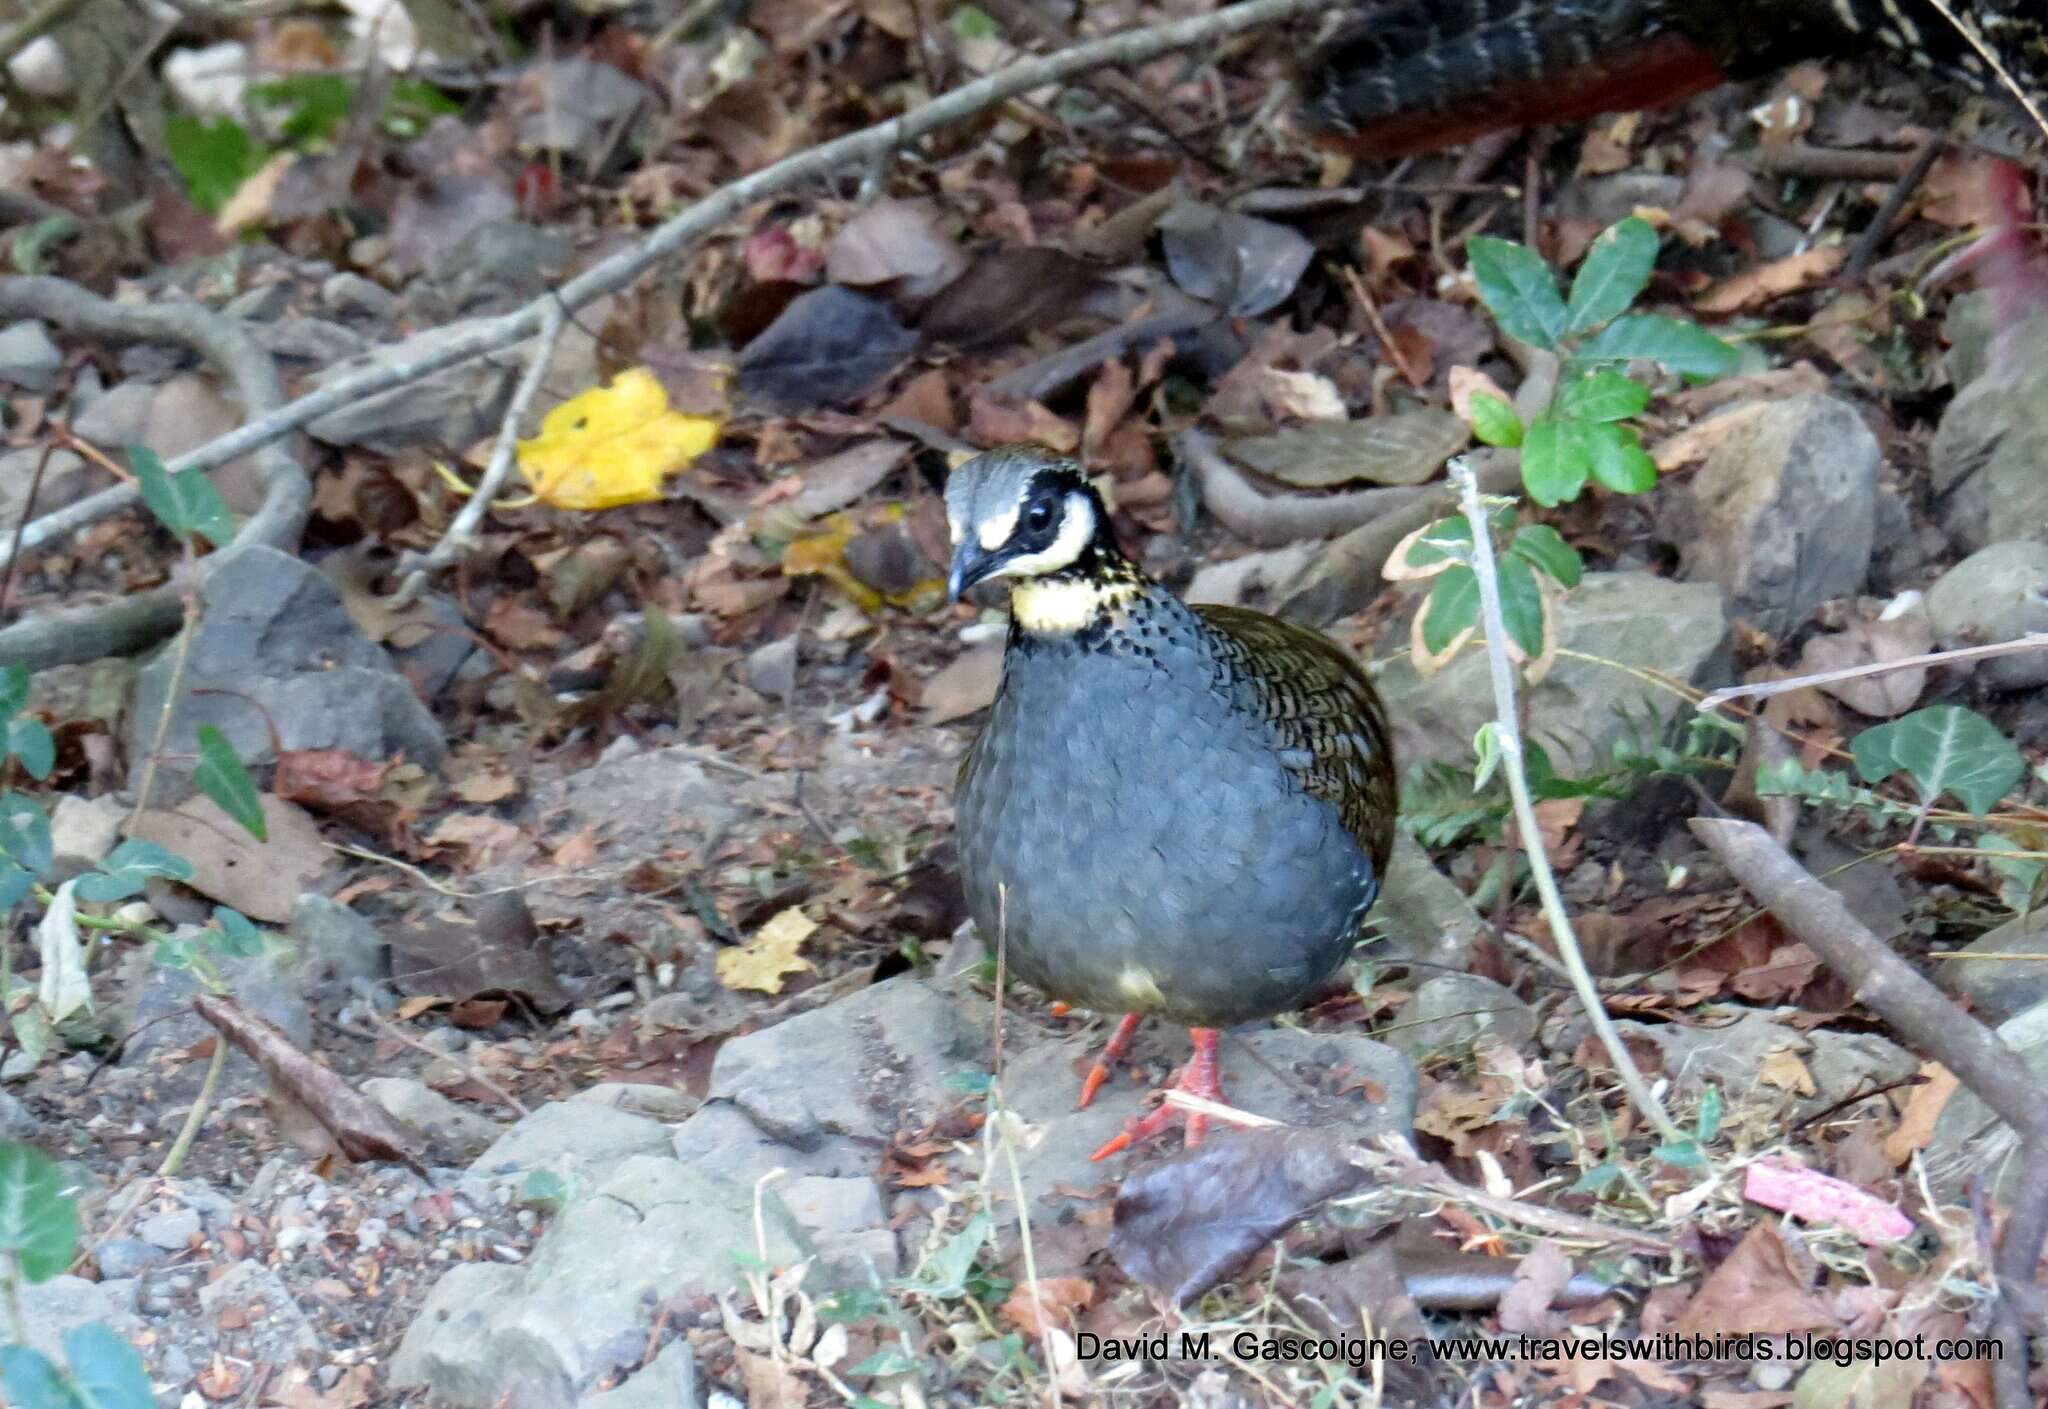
(965, 684)
(770, 956)
(1923, 1109)
(613, 445)
(1773, 280)
(1055, 1296)
(1757, 1290)
(261, 879)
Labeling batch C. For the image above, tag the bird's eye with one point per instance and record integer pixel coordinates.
(1038, 518)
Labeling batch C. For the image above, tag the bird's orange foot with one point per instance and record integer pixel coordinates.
(1112, 1053)
(1200, 1077)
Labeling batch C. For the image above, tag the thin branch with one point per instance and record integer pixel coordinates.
(681, 231)
(2032, 641)
(135, 622)
(461, 534)
(1510, 740)
(1985, 52)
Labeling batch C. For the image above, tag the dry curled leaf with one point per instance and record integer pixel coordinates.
(770, 956)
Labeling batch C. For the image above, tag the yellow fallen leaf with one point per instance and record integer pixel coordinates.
(613, 445)
(770, 956)
(823, 554)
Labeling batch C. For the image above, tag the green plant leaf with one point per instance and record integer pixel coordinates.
(1685, 1155)
(215, 157)
(972, 22)
(1494, 421)
(1453, 607)
(1944, 749)
(1432, 547)
(1521, 605)
(15, 884)
(1605, 395)
(946, 1274)
(1684, 348)
(1618, 458)
(1543, 547)
(1707, 1124)
(1517, 288)
(32, 242)
(127, 868)
(1616, 269)
(1555, 462)
(1596, 1178)
(29, 740)
(37, 1223)
(889, 1360)
(222, 777)
(25, 832)
(318, 103)
(106, 1373)
(185, 503)
(33, 1382)
(14, 683)
(239, 937)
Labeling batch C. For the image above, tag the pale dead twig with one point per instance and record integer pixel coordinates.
(2032, 641)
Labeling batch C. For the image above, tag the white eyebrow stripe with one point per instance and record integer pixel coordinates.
(995, 532)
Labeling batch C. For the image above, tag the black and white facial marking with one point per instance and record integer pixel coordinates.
(1026, 514)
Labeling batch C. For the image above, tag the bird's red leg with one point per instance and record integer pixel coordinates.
(1112, 1053)
(1200, 1077)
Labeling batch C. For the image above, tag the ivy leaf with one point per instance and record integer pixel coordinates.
(185, 503)
(1684, 348)
(239, 937)
(1555, 462)
(1618, 458)
(106, 1373)
(32, 1382)
(946, 1274)
(1616, 269)
(29, 740)
(1604, 396)
(128, 868)
(1521, 605)
(37, 1223)
(1517, 288)
(25, 832)
(1494, 421)
(215, 157)
(1453, 608)
(13, 690)
(1543, 547)
(1944, 749)
(15, 884)
(222, 776)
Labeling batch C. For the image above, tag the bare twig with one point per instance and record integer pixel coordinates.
(1873, 237)
(132, 623)
(2032, 641)
(1510, 741)
(28, 507)
(870, 144)
(1925, 1017)
(461, 534)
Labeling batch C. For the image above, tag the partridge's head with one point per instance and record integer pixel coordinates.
(1021, 511)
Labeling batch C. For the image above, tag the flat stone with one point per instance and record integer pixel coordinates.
(277, 1325)
(355, 296)
(121, 1258)
(578, 1134)
(172, 1231)
(1787, 505)
(334, 942)
(16, 1120)
(260, 304)
(771, 669)
(156, 1013)
(63, 1303)
(453, 1133)
(1986, 456)
(2000, 989)
(309, 340)
(537, 1335)
(276, 638)
(457, 405)
(29, 358)
(1420, 914)
(1454, 1011)
(66, 480)
(641, 1098)
(1581, 707)
(82, 831)
(1999, 593)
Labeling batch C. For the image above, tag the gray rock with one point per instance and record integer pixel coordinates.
(1968, 329)
(260, 304)
(82, 831)
(119, 416)
(669, 1381)
(121, 1258)
(309, 340)
(334, 942)
(354, 296)
(16, 1121)
(454, 1133)
(1787, 507)
(433, 661)
(276, 636)
(815, 1094)
(28, 356)
(1970, 1143)
(156, 1012)
(771, 669)
(1728, 1056)
(1999, 593)
(845, 1219)
(64, 1302)
(502, 264)
(1453, 1011)
(454, 406)
(66, 480)
(535, 1336)
(1420, 914)
(1986, 457)
(576, 1134)
(1581, 708)
(1607, 199)
(172, 1231)
(2000, 989)
(279, 1326)
(1844, 1063)
(641, 1098)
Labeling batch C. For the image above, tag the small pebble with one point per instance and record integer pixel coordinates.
(171, 1231)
